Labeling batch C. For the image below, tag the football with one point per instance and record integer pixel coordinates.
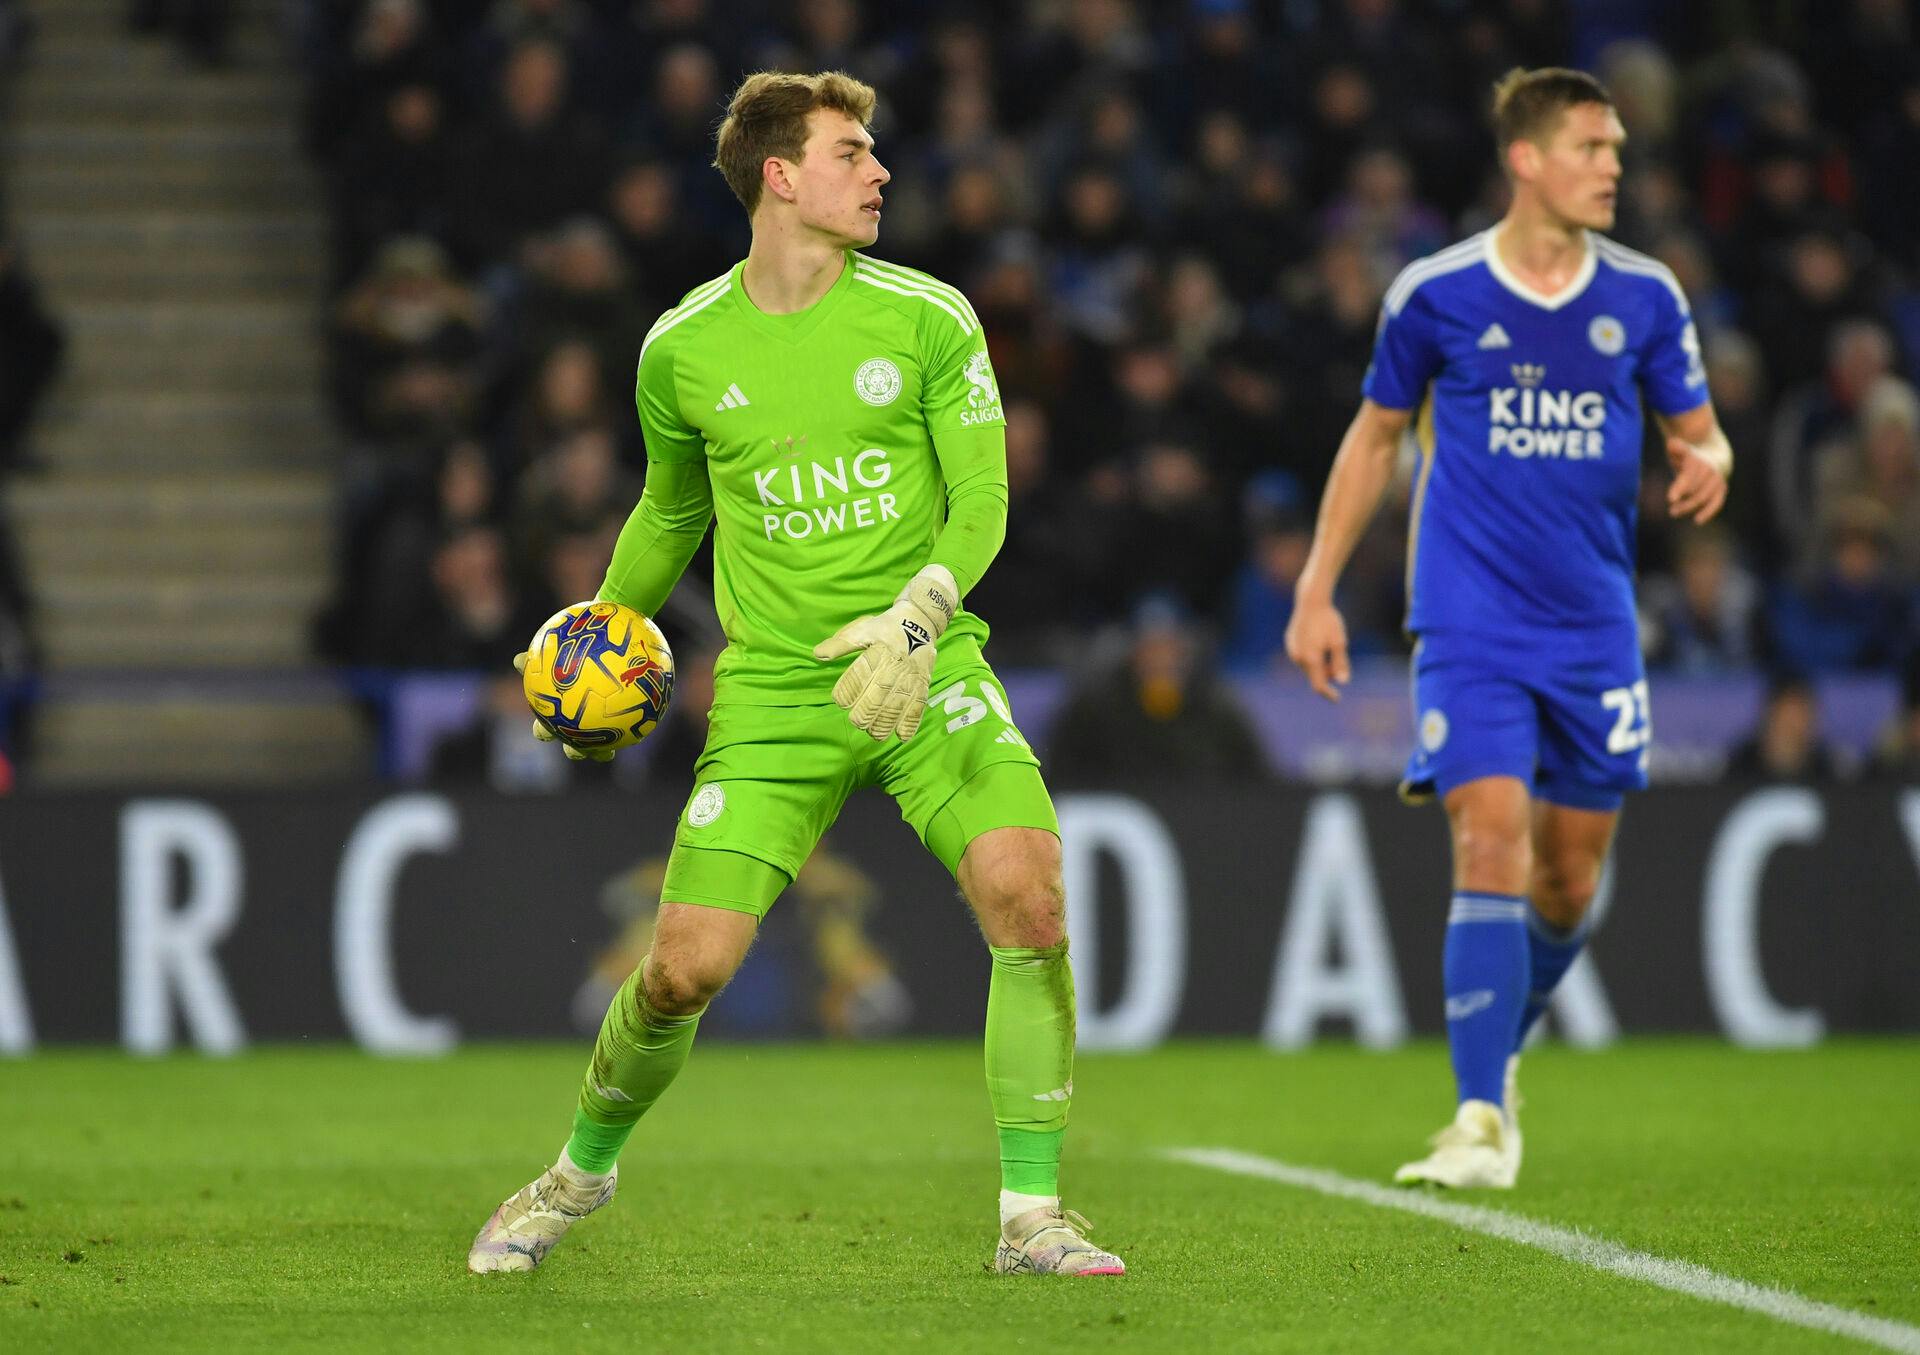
(599, 675)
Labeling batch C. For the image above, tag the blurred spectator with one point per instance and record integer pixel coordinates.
(474, 618)
(1823, 285)
(1030, 589)
(1881, 463)
(1380, 215)
(399, 181)
(666, 255)
(533, 160)
(1701, 621)
(1859, 353)
(1099, 265)
(390, 44)
(404, 325)
(578, 487)
(1847, 610)
(1158, 716)
(32, 348)
(577, 289)
(1737, 381)
(568, 394)
(1786, 746)
(1280, 533)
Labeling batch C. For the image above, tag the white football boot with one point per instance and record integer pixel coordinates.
(1510, 1112)
(1471, 1152)
(523, 1230)
(1051, 1241)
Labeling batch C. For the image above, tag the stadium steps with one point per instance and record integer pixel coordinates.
(182, 523)
(224, 737)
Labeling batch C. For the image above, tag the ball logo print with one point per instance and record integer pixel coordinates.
(877, 382)
(598, 675)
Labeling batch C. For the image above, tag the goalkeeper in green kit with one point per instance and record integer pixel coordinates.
(837, 419)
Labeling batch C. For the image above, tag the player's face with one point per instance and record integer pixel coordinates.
(838, 180)
(1579, 167)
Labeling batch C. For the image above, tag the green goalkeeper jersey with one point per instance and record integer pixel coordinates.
(837, 450)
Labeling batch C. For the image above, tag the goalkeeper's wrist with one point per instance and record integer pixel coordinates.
(935, 592)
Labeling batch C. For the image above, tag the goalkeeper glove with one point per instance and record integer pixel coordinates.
(884, 691)
(545, 735)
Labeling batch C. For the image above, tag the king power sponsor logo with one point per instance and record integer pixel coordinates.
(823, 498)
(1526, 421)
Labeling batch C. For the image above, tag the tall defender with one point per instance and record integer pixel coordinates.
(1525, 352)
(837, 419)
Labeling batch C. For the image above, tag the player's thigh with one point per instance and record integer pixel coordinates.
(1596, 722)
(1474, 717)
(968, 771)
(769, 783)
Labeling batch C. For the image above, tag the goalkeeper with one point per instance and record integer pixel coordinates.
(837, 419)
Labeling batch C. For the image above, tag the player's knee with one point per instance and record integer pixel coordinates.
(1037, 912)
(1490, 855)
(1027, 911)
(1563, 889)
(681, 984)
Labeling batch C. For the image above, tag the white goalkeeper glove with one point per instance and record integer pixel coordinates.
(884, 691)
(545, 735)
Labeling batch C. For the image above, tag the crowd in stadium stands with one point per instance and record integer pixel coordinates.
(1176, 219)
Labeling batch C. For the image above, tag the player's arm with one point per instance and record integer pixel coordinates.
(665, 527)
(660, 535)
(973, 462)
(1317, 636)
(676, 504)
(1702, 461)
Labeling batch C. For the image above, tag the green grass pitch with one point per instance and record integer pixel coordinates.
(814, 1198)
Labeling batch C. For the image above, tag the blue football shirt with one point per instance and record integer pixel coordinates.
(1530, 430)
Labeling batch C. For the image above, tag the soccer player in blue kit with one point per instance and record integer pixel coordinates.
(1521, 358)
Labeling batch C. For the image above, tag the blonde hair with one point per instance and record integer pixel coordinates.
(1528, 105)
(768, 116)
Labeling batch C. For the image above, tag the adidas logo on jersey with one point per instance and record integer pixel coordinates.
(1495, 337)
(735, 398)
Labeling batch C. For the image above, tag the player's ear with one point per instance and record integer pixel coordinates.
(1523, 159)
(776, 179)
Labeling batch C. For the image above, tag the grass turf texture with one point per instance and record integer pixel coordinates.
(840, 1199)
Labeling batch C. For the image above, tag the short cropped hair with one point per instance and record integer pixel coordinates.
(768, 116)
(1528, 105)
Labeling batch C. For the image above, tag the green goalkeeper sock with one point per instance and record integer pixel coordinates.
(638, 1053)
(1030, 1063)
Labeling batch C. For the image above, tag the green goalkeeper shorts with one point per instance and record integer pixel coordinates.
(772, 779)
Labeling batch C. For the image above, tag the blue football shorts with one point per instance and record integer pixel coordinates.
(1568, 716)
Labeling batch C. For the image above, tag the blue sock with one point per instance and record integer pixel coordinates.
(1551, 952)
(1485, 966)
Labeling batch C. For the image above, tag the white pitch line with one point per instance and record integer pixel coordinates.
(1682, 1277)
